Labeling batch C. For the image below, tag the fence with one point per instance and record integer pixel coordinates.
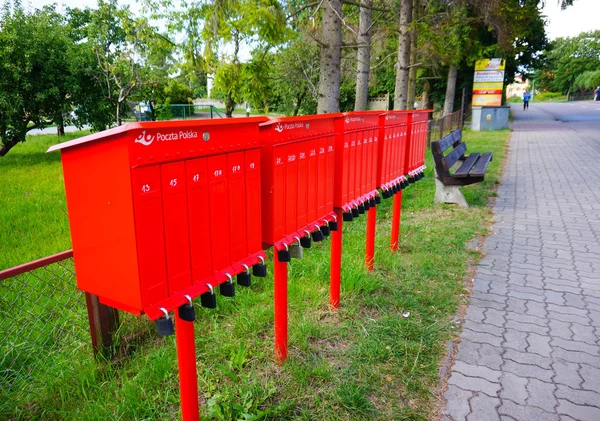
(142, 112)
(440, 128)
(45, 330)
(581, 96)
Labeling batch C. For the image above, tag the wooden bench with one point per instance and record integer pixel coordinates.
(471, 169)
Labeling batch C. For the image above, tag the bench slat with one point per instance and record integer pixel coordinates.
(449, 140)
(465, 168)
(453, 156)
(481, 165)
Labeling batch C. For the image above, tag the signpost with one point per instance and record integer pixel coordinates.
(488, 82)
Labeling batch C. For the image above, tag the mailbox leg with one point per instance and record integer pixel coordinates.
(396, 221)
(186, 360)
(371, 226)
(281, 309)
(336, 262)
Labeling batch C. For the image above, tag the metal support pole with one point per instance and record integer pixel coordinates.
(186, 360)
(336, 262)
(463, 107)
(396, 221)
(371, 226)
(280, 308)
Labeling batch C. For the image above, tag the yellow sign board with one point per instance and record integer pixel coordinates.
(490, 64)
(488, 82)
(487, 100)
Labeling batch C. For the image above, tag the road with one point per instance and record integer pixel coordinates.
(530, 341)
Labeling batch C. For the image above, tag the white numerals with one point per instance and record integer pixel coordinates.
(145, 188)
(173, 182)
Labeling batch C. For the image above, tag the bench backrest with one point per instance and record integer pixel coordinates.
(443, 163)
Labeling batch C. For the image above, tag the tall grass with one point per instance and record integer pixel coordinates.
(375, 358)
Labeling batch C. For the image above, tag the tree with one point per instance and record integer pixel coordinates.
(363, 57)
(568, 58)
(403, 64)
(34, 68)
(331, 57)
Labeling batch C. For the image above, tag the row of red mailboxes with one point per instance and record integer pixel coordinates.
(162, 212)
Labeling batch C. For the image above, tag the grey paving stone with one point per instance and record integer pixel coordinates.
(578, 397)
(573, 345)
(515, 339)
(472, 370)
(490, 356)
(590, 376)
(566, 373)
(527, 370)
(457, 403)
(513, 388)
(578, 412)
(474, 384)
(467, 352)
(539, 344)
(576, 357)
(528, 358)
(484, 408)
(541, 395)
(525, 413)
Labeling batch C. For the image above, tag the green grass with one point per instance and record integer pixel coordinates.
(376, 358)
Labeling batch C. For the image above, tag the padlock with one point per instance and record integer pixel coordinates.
(411, 179)
(325, 230)
(284, 255)
(377, 200)
(244, 278)
(305, 241)
(394, 189)
(347, 217)
(260, 269)
(164, 325)
(385, 193)
(367, 205)
(208, 299)
(361, 209)
(333, 225)
(373, 201)
(296, 251)
(317, 235)
(186, 311)
(355, 212)
(227, 288)
(422, 175)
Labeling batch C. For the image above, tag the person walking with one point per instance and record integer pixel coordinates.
(526, 98)
(597, 94)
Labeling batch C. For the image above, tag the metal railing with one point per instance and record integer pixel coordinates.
(439, 128)
(176, 112)
(581, 96)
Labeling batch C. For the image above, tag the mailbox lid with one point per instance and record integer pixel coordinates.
(164, 141)
(293, 129)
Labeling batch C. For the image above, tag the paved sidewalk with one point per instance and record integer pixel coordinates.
(529, 348)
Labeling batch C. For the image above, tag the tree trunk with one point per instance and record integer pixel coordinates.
(425, 99)
(412, 72)
(403, 64)
(363, 64)
(229, 106)
(330, 60)
(60, 125)
(7, 146)
(450, 90)
(119, 122)
(299, 100)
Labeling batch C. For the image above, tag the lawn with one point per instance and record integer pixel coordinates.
(376, 358)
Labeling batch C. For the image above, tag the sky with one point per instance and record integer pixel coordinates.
(584, 15)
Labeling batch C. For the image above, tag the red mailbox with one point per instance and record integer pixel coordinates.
(415, 159)
(158, 210)
(393, 135)
(357, 146)
(298, 160)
